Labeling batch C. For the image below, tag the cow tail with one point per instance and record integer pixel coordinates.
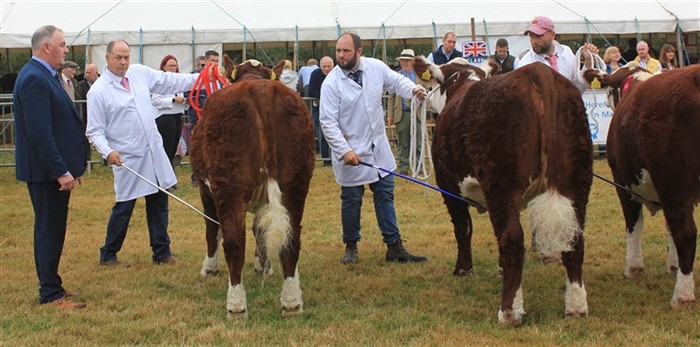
(274, 221)
(552, 215)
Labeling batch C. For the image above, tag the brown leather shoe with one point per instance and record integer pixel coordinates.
(169, 260)
(67, 304)
(114, 263)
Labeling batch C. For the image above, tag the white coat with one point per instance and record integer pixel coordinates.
(352, 118)
(124, 121)
(566, 63)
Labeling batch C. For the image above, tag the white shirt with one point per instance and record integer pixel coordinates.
(164, 104)
(566, 63)
(305, 74)
(124, 121)
(352, 118)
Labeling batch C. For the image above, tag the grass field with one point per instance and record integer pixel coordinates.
(371, 303)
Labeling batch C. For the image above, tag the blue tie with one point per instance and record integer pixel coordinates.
(356, 76)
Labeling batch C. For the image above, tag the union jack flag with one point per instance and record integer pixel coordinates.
(474, 49)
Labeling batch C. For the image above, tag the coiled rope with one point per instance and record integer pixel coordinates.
(209, 85)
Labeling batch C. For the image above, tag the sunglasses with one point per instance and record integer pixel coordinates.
(202, 65)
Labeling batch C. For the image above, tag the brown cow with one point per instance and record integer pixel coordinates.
(652, 151)
(513, 141)
(253, 151)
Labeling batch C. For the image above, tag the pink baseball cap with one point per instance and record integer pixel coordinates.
(540, 25)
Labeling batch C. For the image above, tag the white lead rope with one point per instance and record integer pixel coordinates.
(419, 163)
(169, 193)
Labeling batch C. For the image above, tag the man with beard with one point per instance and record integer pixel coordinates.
(546, 50)
(352, 119)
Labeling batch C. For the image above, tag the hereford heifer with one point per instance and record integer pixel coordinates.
(508, 142)
(652, 149)
(253, 151)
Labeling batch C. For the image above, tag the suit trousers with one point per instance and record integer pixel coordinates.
(50, 217)
(156, 218)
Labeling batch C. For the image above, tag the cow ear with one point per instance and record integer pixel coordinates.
(277, 70)
(229, 66)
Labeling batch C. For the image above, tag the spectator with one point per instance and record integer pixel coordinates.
(644, 59)
(612, 59)
(210, 56)
(446, 51)
(667, 57)
(122, 128)
(353, 122)
(170, 109)
(631, 51)
(49, 153)
(91, 76)
(70, 84)
(546, 50)
(502, 55)
(315, 82)
(305, 74)
(288, 76)
(399, 112)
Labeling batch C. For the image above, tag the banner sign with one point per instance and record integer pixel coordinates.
(475, 51)
(599, 115)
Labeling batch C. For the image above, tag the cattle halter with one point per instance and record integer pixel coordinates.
(408, 178)
(169, 193)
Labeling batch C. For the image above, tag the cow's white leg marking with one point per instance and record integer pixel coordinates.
(635, 262)
(513, 317)
(576, 300)
(684, 291)
(292, 304)
(236, 301)
(210, 266)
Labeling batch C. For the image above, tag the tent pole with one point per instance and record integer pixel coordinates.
(486, 31)
(435, 37)
(296, 48)
(140, 45)
(194, 53)
(87, 48)
(337, 25)
(472, 25)
(639, 35)
(384, 46)
(245, 44)
(588, 29)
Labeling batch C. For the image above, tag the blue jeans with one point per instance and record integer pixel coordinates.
(383, 192)
(156, 218)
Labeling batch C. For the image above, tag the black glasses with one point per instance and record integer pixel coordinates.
(202, 65)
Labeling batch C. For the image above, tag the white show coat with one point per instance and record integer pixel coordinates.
(124, 121)
(352, 118)
(566, 63)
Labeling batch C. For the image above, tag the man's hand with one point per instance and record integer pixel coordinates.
(420, 92)
(351, 158)
(588, 49)
(67, 182)
(114, 158)
(180, 100)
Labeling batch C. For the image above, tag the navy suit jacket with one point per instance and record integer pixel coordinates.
(49, 133)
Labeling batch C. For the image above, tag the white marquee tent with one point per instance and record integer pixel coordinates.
(183, 27)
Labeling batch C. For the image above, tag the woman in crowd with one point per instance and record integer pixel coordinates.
(289, 77)
(667, 58)
(612, 59)
(170, 111)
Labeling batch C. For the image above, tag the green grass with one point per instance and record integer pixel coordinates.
(371, 303)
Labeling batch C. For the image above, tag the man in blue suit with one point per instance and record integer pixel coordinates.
(49, 155)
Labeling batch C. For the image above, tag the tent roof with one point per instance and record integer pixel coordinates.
(217, 21)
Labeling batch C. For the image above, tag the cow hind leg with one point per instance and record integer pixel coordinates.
(291, 296)
(672, 259)
(233, 229)
(462, 222)
(634, 218)
(684, 232)
(511, 250)
(210, 266)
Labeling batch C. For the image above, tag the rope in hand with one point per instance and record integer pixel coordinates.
(209, 85)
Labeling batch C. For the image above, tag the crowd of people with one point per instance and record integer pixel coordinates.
(134, 119)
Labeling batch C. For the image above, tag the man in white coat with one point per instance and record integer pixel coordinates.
(352, 119)
(122, 128)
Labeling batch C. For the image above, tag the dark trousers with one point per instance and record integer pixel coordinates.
(156, 218)
(170, 127)
(50, 216)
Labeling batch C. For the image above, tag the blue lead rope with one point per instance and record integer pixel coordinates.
(409, 178)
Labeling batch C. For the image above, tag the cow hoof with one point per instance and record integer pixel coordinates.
(209, 273)
(463, 272)
(672, 269)
(292, 311)
(577, 314)
(632, 272)
(237, 314)
(509, 318)
(680, 302)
